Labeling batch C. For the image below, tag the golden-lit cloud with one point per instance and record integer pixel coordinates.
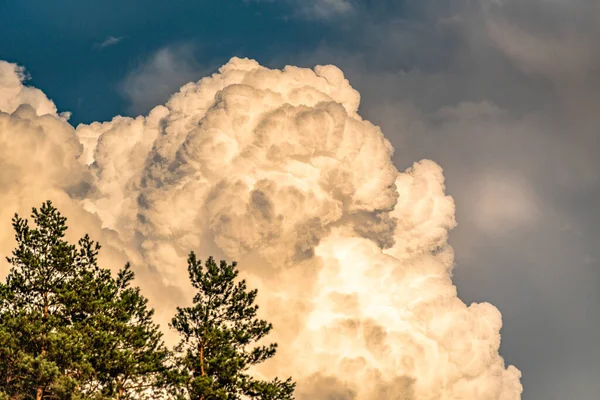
(276, 169)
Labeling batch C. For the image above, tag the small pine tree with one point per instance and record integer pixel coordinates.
(218, 334)
(68, 330)
(125, 347)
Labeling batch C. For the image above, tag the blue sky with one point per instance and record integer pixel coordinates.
(60, 42)
(494, 93)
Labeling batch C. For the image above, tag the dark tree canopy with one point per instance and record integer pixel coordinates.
(218, 333)
(68, 329)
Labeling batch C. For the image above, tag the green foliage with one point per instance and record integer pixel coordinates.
(68, 329)
(218, 335)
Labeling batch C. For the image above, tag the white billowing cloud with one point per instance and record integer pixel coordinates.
(38, 160)
(276, 169)
(38, 149)
(41, 158)
(13, 93)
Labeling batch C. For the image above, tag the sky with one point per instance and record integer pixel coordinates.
(503, 94)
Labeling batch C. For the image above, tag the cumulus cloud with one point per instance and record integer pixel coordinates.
(15, 93)
(504, 95)
(41, 158)
(276, 169)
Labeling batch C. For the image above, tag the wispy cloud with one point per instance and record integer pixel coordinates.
(154, 80)
(325, 8)
(109, 41)
(317, 9)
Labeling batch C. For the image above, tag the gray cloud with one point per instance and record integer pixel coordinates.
(155, 79)
(326, 8)
(505, 96)
(318, 9)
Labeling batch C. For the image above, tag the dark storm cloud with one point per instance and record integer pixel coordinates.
(505, 96)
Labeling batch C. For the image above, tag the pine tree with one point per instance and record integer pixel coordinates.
(125, 347)
(37, 346)
(218, 339)
(68, 329)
